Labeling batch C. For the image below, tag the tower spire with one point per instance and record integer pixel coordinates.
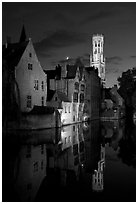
(23, 35)
(97, 59)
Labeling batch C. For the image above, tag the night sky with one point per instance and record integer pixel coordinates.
(60, 30)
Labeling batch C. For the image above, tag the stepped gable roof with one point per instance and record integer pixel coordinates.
(13, 53)
(62, 96)
(50, 94)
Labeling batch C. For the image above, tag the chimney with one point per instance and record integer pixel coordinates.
(8, 41)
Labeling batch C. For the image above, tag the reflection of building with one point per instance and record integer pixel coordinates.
(98, 176)
(70, 156)
(30, 170)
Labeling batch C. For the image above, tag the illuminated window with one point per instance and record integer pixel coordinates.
(75, 97)
(30, 66)
(42, 100)
(82, 87)
(42, 85)
(74, 107)
(36, 84)
(81, 98)
(29, 101)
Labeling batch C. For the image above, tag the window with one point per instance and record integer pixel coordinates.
(76, 85)
(55, 98)
(82, 87)
(99, 44)
(74, 118)
(65, 140)
(74, 107)
(30, 66)
(95, 51)
(65, 109)
(28, 154)
(81, 98)
(73, 128)
(42, 164)
(69, 109)
(42, 85)
(35, 166)
(42, 149)
(30, 54)
(36, 84)
(95, 44)
(29, 101)
(75, 97)
(42, 100)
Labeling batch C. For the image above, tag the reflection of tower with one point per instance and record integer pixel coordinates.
(97, 59)
(97, 177)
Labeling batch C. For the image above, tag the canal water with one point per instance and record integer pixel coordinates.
(92, 162)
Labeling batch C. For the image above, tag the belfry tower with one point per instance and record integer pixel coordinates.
(97, 59)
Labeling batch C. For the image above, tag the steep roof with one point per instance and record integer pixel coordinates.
(13, 53)
(62, 96)
(71, 71)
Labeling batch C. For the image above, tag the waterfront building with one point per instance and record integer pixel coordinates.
(113, 106)
(26, 76)
(93, 93)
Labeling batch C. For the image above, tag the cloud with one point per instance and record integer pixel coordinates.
(102, 14)
(59, 39)
(63, 19)
(116, 60)
(85, 59)
(133, 56)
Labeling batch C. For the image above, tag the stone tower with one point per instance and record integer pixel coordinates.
(97, 59)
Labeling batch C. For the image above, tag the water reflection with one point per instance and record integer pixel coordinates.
(72, 160)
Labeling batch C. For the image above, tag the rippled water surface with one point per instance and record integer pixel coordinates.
(84, 162)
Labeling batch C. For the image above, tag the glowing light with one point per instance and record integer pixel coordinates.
(67, 58)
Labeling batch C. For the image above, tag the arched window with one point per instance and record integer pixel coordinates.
(76, 86)
(81, 98)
